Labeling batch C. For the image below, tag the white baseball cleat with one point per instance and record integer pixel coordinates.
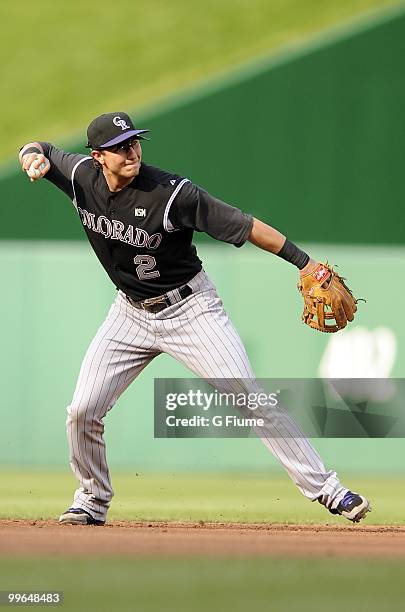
(78, 516)
(353, 506)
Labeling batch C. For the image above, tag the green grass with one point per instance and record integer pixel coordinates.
(243, 498)
(184, 585)
(204, 583)
(66, 62)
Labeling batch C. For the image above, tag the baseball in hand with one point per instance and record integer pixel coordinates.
(36, 173)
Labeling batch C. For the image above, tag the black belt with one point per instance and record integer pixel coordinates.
(156, 304)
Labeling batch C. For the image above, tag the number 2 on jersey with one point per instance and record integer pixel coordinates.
(145, 266)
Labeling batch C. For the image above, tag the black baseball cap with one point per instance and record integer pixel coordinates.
(110, 129)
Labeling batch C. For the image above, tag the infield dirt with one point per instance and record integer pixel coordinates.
(139, 539)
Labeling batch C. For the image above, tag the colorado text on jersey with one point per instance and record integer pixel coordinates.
(116, 230)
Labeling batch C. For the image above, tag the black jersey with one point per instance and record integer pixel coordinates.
(143, 234)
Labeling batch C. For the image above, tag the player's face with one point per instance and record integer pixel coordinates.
(122, 161)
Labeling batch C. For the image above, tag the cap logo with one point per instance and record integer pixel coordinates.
(121, 123)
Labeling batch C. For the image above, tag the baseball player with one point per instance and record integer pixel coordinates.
(140, 222)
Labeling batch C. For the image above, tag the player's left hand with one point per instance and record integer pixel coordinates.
(326, 297)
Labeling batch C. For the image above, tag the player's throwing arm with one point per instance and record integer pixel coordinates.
(36, 165)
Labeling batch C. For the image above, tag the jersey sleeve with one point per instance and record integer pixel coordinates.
(62, 166)
(194, 208)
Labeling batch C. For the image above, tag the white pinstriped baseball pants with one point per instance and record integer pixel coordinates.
(197, 332)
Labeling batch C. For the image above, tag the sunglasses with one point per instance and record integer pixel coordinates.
(123, 147)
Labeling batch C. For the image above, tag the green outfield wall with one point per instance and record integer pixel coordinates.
(311, 141)
(55, 296)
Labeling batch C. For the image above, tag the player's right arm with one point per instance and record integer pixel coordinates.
(32, 156)
(59, 164)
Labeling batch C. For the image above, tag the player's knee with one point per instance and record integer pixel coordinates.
(79, 413)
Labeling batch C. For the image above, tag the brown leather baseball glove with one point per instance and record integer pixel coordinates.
(326, 297)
